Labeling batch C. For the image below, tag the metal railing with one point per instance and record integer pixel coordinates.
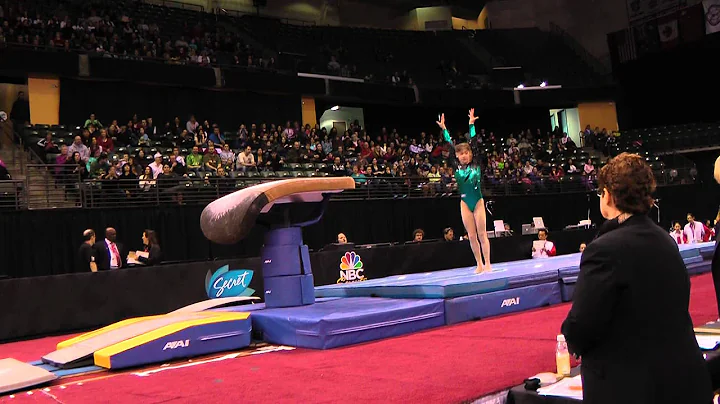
(66, 186)
(12, 195)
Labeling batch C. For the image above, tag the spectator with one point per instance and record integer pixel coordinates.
(157, 165)
(195, 161)
(211, 160)
(583, 246)
(418, 235)
(246, 160)
(92, 122)
(78, 147)
(341, 238)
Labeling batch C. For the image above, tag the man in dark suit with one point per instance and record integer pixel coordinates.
(109, 253)
(629, 321)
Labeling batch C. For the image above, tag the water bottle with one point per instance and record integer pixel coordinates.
(562, 356)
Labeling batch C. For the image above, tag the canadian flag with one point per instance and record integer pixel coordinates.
(712, 16)
(668, 30)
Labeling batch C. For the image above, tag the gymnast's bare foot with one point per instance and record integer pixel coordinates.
(487, 268)
(479, 269)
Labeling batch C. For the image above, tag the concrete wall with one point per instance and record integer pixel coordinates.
(588, 21)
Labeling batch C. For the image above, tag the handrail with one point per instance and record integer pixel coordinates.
(176, 4)
(283, 20)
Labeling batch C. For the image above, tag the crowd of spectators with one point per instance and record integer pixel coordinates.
(117, 29)
(146, 155)
(136, 31)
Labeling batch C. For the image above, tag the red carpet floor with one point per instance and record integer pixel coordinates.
(446, 365)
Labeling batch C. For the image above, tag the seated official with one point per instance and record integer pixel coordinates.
(629, 320)
(583, 246)
(548, 247)
(449, 234)
(342, 238)
(152, 248)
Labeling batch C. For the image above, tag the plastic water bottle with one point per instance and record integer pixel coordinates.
(562, 356)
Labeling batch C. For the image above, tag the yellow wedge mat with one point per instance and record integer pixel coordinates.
(100, 331)
(102, 356)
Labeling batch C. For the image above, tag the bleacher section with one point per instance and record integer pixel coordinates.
(670, 139)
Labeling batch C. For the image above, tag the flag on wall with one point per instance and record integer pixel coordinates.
(712, 16)
(691, 23)
(647, 38)
(668, 30)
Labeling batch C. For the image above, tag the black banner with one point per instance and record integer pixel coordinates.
(64, 303)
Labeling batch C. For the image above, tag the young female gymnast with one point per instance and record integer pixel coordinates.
(468, 175)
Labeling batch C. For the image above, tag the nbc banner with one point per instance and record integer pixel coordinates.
(712, 16)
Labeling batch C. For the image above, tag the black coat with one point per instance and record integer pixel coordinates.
(630, 322)
(102, 255)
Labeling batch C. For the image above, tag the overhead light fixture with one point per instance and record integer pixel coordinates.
(335, 108)
(543, 84)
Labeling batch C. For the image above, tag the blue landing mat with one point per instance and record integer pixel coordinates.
(456, 282)
(485, 305)
(260, 306)
(341, 322)
(704, 249)
(700, 267)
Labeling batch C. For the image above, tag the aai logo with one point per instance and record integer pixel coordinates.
(227, 283)
(351, 268)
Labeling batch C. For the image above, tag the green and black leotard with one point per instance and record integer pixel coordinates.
(469, 177)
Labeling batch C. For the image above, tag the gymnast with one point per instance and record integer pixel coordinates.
(468, 175)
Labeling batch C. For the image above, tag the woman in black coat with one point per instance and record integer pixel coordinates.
(152, 247)
(629, 320)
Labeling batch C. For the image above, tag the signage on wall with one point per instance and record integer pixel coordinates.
(351, 268)
(228, 283)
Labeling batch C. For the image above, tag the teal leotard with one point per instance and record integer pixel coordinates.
(469, 177)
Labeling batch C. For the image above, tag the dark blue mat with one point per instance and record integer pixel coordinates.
(485, 305)
(456, 282)
(341, 322)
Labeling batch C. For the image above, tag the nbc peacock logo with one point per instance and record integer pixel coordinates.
(351, 268)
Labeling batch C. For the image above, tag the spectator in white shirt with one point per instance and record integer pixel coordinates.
(694, 231)
(246, 160)
(192, 125)
(157, 165)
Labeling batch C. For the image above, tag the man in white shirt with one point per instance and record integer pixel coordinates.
(157, 165)
(694, 231)
(547, 249)
(246, 160)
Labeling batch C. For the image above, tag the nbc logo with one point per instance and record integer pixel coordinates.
(351, 268)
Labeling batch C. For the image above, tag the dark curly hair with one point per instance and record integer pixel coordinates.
(630, 181)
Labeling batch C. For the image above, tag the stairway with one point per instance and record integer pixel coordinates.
(35, 188)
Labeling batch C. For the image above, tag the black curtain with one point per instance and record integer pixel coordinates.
(119, 100)
(46, 242)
